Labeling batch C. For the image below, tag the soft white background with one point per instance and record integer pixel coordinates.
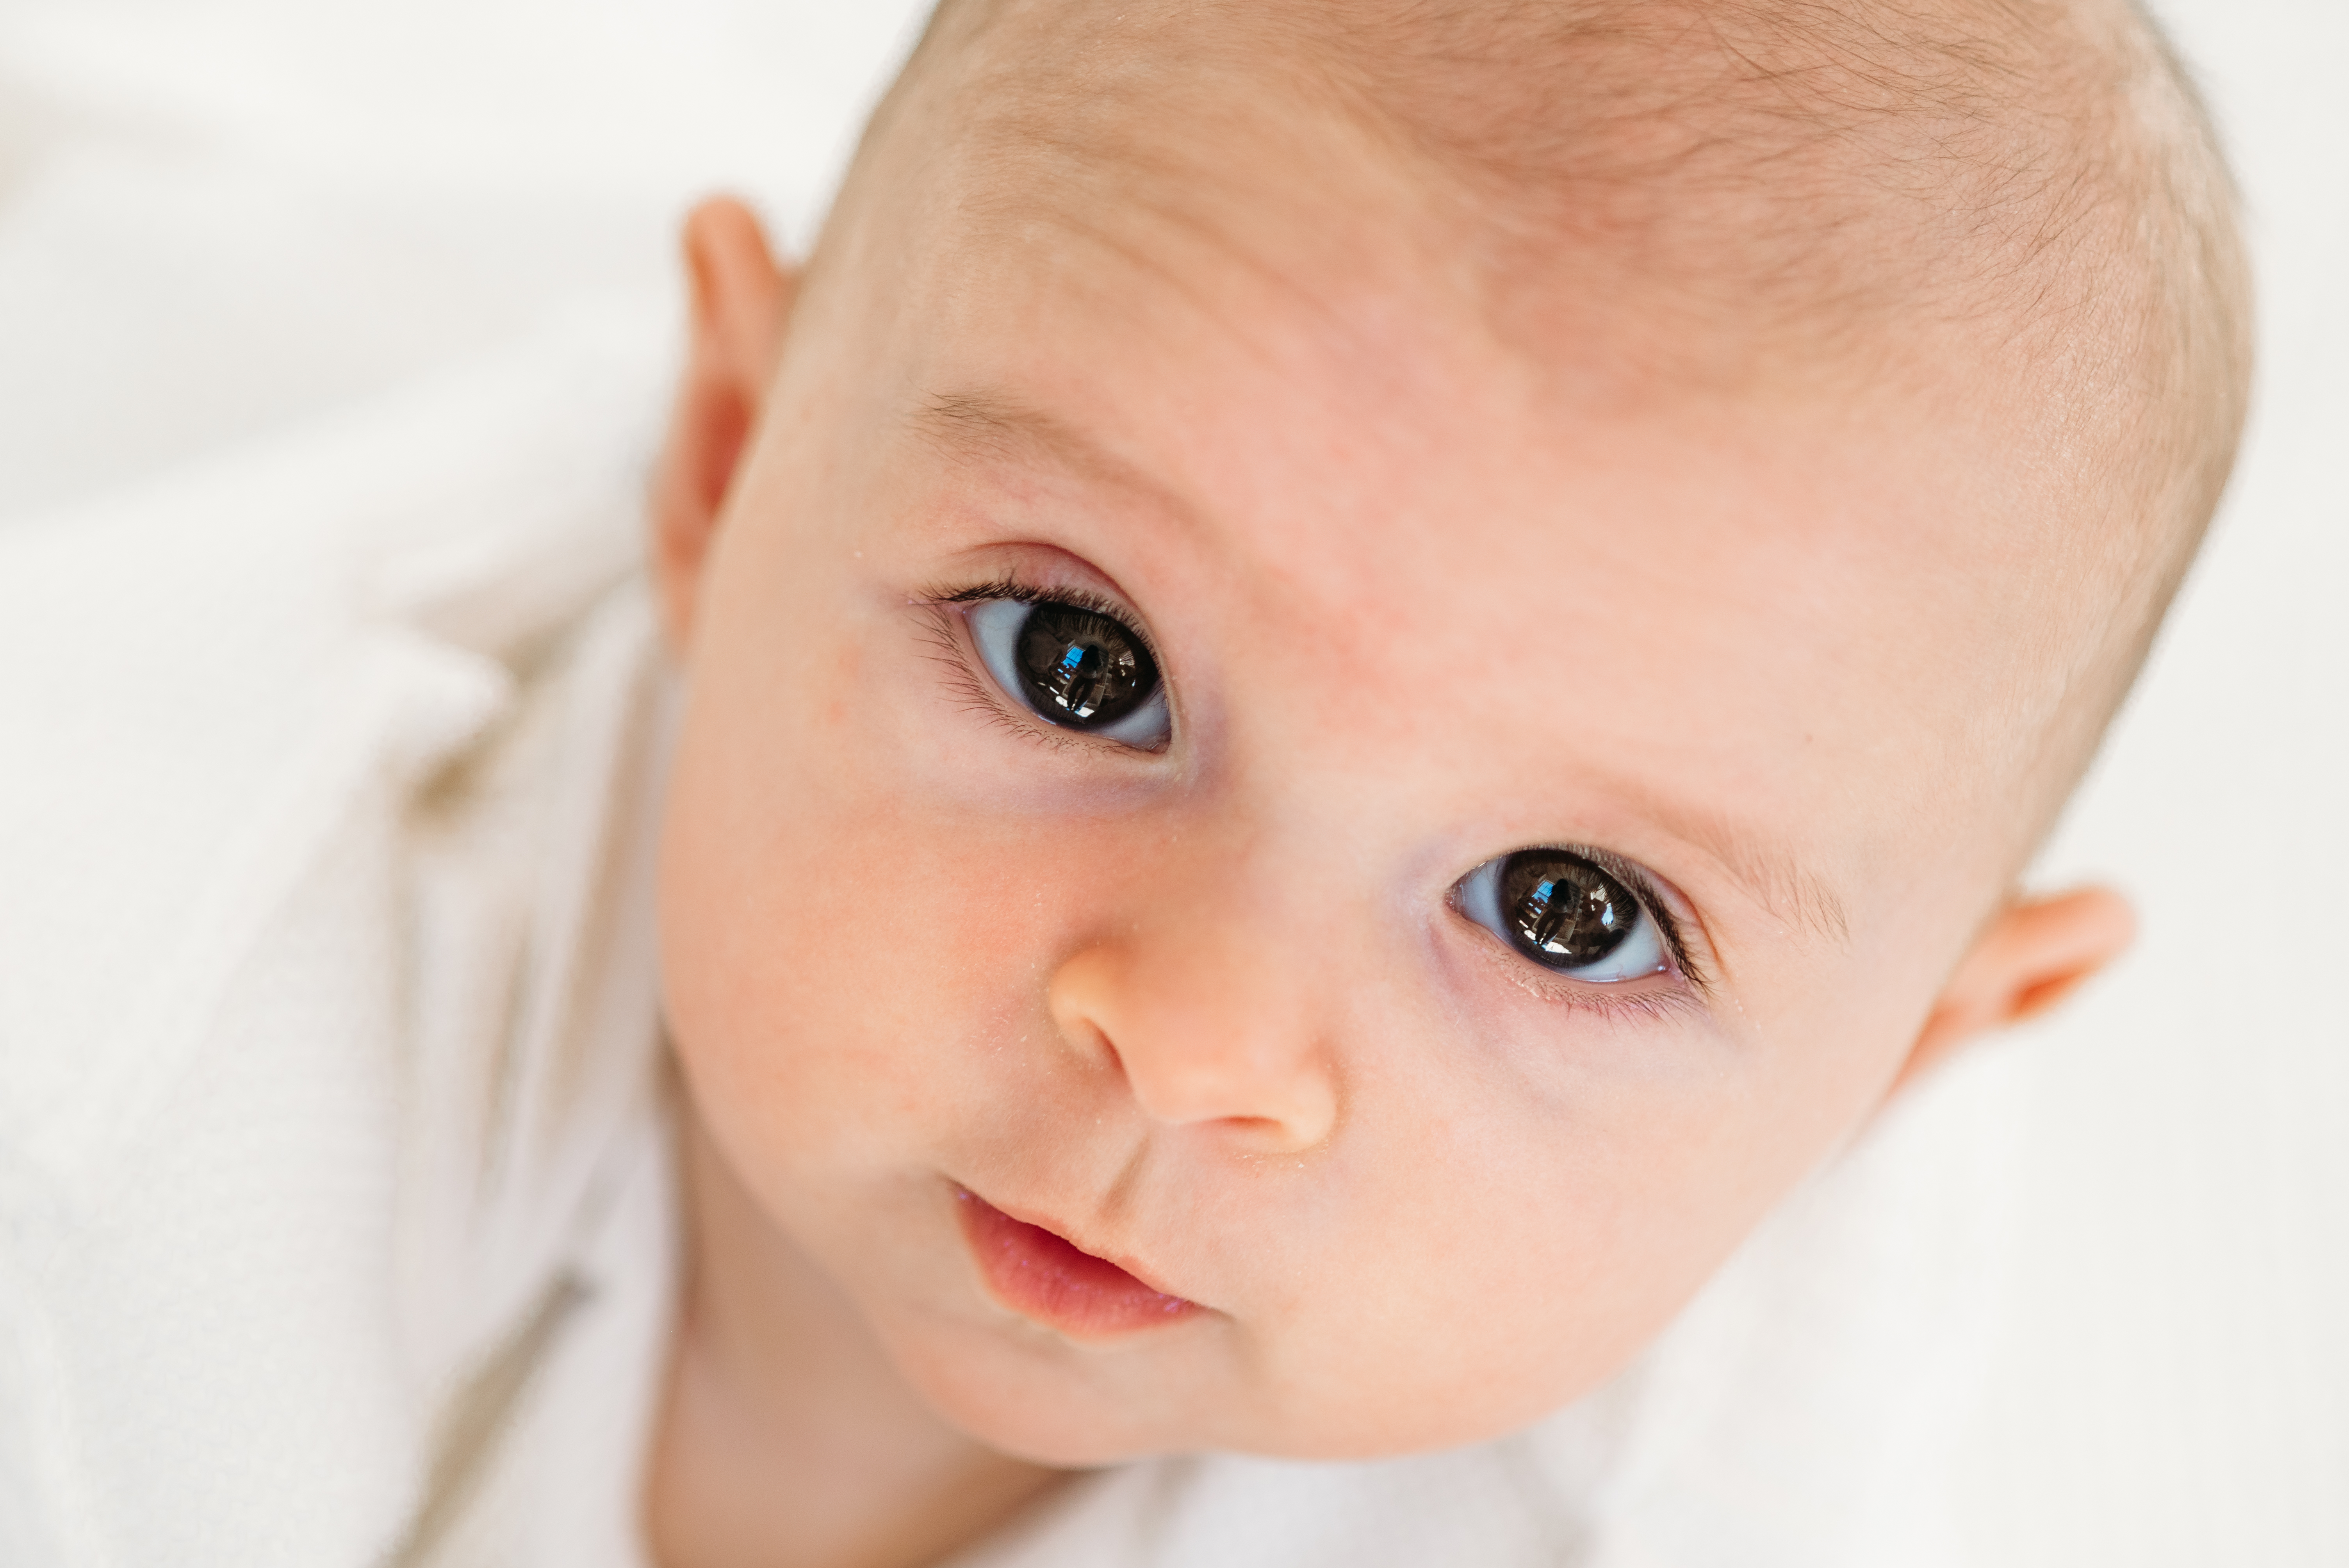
(222, 218)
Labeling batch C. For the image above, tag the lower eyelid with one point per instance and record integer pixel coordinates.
(1661, 995)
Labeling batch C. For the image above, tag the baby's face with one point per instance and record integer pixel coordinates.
(1199, 750)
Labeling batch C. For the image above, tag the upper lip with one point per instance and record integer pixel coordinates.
(1042, 1221)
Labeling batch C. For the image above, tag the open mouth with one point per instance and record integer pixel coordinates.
(1045, 1277)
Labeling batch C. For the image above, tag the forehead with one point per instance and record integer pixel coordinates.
(1402, 548)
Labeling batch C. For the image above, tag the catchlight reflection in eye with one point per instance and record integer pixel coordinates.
(1080, 668)
(1567, 914)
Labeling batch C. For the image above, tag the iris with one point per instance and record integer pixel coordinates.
(1568, 913)
(1564, 911)
(1079, 667)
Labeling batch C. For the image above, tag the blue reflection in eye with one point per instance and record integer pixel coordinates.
(1078, 668)
(1565, 913)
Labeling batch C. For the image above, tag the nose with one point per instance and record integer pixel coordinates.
(1209, 1026)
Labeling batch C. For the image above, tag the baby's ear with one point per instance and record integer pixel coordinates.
(741, 300)
(2030, 957)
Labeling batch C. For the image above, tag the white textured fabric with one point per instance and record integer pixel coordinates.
(323, 1056)
(334, 1190)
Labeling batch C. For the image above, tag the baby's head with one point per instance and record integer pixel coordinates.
(1389, 661)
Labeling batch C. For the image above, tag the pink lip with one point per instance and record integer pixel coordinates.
(1046, 1278)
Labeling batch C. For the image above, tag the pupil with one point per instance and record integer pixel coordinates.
(1083, 668)
(1563, 911)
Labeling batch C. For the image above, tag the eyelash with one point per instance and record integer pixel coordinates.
(1613, 1000)
(1643, 888)
(1605, 1002)
(980, 695)
(1010, 587)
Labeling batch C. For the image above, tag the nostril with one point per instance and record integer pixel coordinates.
(1082, 997)
(1270, 1135)
(1200, 1038)
(1091, 1043)
(1280, 1105)
(1105, 1051)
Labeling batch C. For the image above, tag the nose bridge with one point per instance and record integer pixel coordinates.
(1204, 992)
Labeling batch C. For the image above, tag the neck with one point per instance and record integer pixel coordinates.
(787, 1437)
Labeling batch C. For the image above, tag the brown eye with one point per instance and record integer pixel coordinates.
(1078, 667)
(1566, 914)
(1081, 668)
(1565, 910)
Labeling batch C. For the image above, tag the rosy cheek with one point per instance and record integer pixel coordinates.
(820, 899)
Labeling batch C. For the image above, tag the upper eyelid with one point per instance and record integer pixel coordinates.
(1008, 586)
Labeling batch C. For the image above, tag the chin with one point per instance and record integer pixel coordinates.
(1049, 1402)
(1047, 1407)
(1030, 1419)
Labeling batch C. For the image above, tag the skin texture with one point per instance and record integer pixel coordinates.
(1421, 601)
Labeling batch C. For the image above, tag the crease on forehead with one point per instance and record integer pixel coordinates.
(986, 427)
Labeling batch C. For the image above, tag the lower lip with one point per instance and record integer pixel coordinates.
(1044, 1278)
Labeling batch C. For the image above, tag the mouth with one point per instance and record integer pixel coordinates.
(1049, 1280)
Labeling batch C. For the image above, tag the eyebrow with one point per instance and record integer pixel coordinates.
(1786, 890)
(989, 426)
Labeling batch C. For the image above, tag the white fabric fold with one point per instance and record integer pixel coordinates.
(332, 1019)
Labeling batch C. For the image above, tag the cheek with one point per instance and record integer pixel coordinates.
(857, 949)
(1505, 1261)
(844, 954)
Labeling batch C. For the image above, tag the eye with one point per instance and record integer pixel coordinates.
(1078, 667)
(1567, 914)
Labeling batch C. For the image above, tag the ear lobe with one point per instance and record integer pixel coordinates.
(740, 301)
(2033, 955)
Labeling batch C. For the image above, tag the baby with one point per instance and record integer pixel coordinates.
(1358, 674)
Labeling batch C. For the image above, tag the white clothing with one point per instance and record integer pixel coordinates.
(335, 1211)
